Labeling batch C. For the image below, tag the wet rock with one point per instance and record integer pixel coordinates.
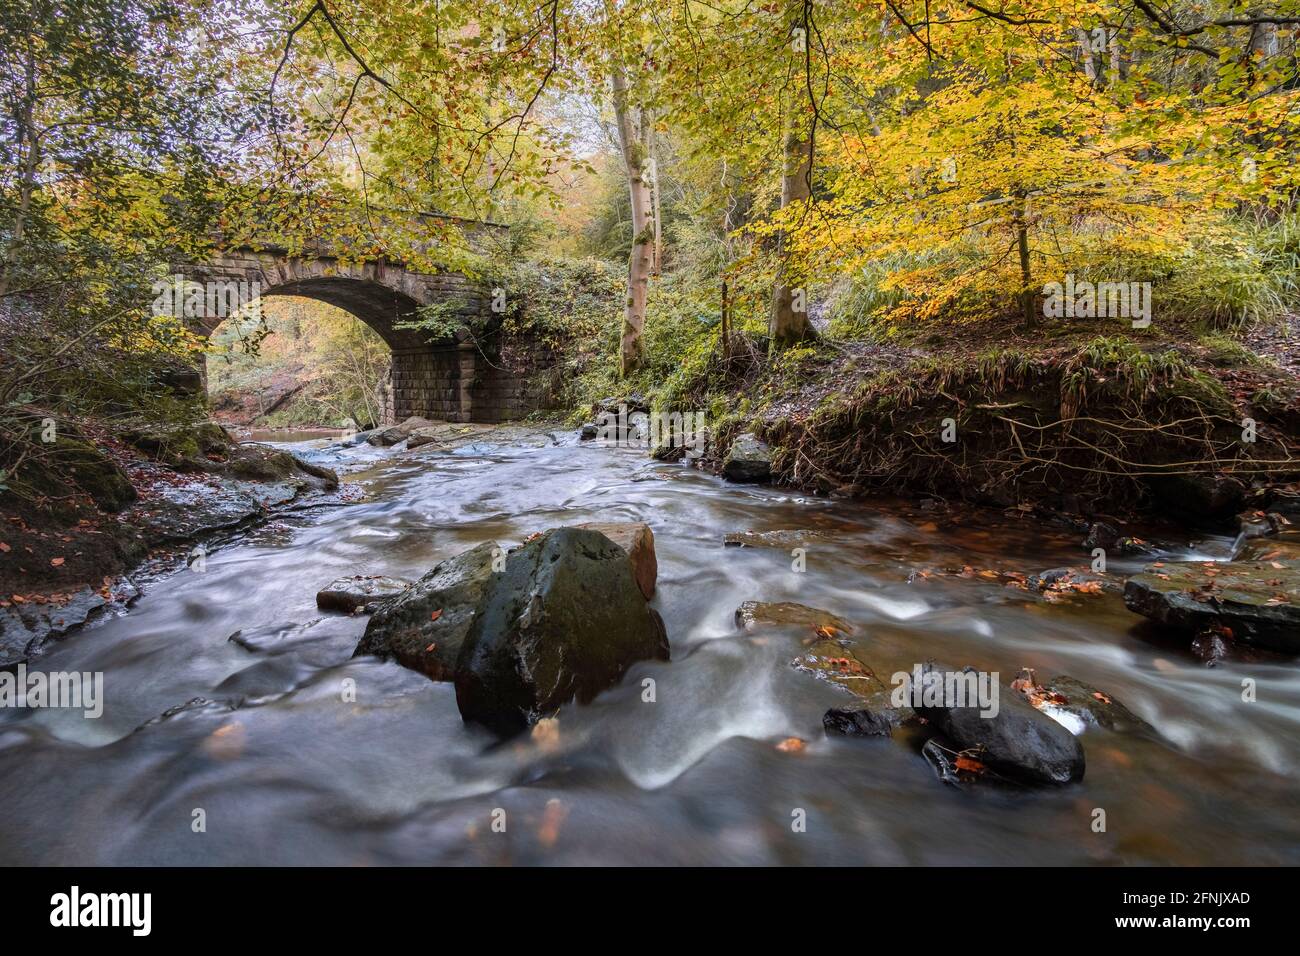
(563, 622)
(1078, 706)
(588, 431)
(26, 629)
(1211, 647)
(872, 716)
(782, 540)
(424, 627)
(748, 460)
(1017, 740)
(423, 436)
(1256, 603)
(251, 462)
(351, 441)
(639, 542)
(1285, 504)
(1064, 580)
(398, 433)
(1114, 541)
(758, 614)
(358, 591)
(184, 511)
(943, 760)
(835, 662)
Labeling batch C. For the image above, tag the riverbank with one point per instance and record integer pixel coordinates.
(1161, 425)
(100, 503)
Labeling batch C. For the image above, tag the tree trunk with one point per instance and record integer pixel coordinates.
(640, 261)
(1085, 51)
(789, 323)
(1027, 303)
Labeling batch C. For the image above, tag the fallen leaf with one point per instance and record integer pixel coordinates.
(56, 562)
(434, 615)
(546, 734)
(554, 815)
(968, 764)
(791, 745)
(5, 548)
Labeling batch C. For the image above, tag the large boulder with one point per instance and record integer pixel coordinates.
(639, 542)
(563, 622)
(1013, 738)
(424, 627)
(1257, 603)
(748, 460)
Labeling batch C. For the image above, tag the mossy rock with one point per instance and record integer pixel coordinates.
(75, 465)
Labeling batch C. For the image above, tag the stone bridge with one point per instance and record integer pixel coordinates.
(454, 380)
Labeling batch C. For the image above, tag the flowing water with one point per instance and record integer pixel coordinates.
(283, 766)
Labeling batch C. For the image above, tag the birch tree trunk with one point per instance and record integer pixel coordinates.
(1085, 51)
(641, 260)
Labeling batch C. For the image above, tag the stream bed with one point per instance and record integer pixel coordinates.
(297, 753)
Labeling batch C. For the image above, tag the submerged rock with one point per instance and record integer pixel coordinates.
(424, 627)
(1255, 603)
(748, 460)
(639, 542)
(757, 614)
(1016, 740)
(563, 622)
(588, 431)
(836, 663)
(357, 591)
(781, 540)
(1078, 706)
(870, 712)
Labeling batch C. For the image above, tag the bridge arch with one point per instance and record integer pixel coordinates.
(443, 380)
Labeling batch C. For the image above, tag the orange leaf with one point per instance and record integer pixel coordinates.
(791, 745)
(434, 615)
(969, 764)
(56, 562)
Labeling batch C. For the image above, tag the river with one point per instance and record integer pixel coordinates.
(285, 765)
